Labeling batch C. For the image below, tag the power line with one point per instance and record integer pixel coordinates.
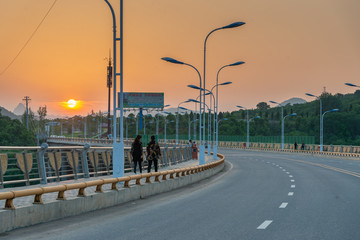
(31, 36)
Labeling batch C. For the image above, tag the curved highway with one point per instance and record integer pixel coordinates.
(260, 195)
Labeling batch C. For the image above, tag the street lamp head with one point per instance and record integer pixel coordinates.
(225, 83)
(208, 93)
(166, 112)
(194, 87)
(273, 102)
(234, 25)
(167, 106)
(309, 94)
(184, 108)
(334, 110)
(237, 63)
(193, 100)
(224, 119)
(257, 117)
(293, 114)
(171, 60)
(351, 85)
(239, 106)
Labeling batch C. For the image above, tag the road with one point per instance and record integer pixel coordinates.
(259, 195)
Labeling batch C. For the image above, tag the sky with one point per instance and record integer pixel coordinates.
(290, 48)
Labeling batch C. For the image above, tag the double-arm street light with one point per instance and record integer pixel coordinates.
(177, 120)
(283, 128)
(216, 106)
(282, 123)
(248, 125)
(322, 130)
(118, 147)
(201, 149)
(321, 119)
(233, 25)
(165, 123)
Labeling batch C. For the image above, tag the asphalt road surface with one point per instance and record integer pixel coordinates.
(259, 195)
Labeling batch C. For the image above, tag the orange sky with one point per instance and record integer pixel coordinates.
(290, 47)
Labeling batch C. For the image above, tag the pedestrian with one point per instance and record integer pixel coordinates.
(153, 153)
(194, 150)
(295, 146)
(137, 153)
(303, 146)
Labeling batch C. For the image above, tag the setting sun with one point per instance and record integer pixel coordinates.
(71, 103)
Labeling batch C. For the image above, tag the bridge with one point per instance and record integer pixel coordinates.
(257, 193)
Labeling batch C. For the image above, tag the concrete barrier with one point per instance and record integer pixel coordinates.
(57, 209)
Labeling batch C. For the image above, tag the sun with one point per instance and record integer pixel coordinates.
(71, 103)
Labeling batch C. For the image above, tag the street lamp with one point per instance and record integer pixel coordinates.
(177, 120)
(216, 128)
(232, 25)
(282, 123)
(201, 147)
(322, 130)
(118, 147)
(282, 127)
(321, 119)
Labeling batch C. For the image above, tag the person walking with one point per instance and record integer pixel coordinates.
(153, 153)
(137, 153)
(295, 146)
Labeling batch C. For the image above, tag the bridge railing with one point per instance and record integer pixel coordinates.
(333, 150)
(21, 166)
(60, 189)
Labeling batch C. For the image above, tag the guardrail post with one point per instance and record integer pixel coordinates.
(44, 147)
(331, 148)
(351, 149)
(341, 148)
(165, 157)
(85, 161)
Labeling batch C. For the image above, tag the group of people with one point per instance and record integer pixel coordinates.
(153, 153)
(302, 146)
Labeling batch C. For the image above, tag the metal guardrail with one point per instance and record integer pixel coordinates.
(21, 166)
(339, 154)
(61, 189)
(308, 147)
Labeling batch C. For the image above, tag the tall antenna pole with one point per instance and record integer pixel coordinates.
(27, 100)
(109, 85)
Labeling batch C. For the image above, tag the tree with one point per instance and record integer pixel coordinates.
(262, 106)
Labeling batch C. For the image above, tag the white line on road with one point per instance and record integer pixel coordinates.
(287, 173)
(292, 186)
(290, 176)
(265, 224)
(283, 205)
(291, 194)
(292, 180)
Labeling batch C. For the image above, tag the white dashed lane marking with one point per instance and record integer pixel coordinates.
(291, 194)
(283, 205)
(292, 180)
(292, 186)
(264, 225)
(290, 176)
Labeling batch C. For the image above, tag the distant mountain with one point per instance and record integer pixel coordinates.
(9, 114)
(20, 109)
(293, 101)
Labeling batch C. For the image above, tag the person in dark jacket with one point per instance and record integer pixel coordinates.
(137, 153)
(153, 153)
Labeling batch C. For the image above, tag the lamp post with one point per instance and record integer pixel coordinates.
(202, 147)
(177, 120)
(282, 123)
(233, 25)
(322, 130)
(118, 147)
(321, 119)
(282, 128)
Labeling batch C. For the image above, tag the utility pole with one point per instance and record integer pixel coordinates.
(27, 100)
(109, 86)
